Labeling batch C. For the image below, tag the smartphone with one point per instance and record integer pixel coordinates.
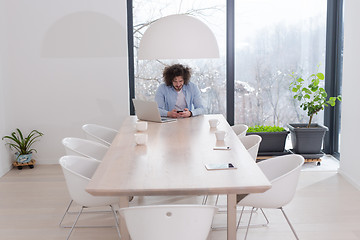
(179, 111)
(220, 166)
(221, 148)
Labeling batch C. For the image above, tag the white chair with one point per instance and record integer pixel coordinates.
(240, 129)
(252, 144)
(164, 222)
(99, 133)
(84, 147)
(283, 173)
(78, 172)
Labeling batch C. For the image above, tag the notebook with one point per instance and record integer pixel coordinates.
(149, 111)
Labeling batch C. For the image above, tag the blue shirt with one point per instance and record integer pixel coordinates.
(166, 99)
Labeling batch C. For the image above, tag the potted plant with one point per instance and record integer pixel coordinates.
(22, 144)
(308, 138)
(273, 139)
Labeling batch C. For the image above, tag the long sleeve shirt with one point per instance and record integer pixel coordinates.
(166, 99)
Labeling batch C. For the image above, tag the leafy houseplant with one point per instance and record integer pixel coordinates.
(273, 139)
(23, 144)
(308, 138)
(312, 97)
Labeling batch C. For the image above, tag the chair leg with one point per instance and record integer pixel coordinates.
(248, 226)
(205, 199)
(67, 209)
(292, 229)
(217, 199)
(73, 226)
(116, 221)
(267, 220)
(242, 211)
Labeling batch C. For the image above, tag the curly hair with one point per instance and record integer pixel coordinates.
(170, 72)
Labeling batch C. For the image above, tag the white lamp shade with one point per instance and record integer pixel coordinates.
(178, 37)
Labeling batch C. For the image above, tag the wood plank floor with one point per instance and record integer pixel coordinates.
(32, 202)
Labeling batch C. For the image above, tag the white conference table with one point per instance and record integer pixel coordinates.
(173, 163)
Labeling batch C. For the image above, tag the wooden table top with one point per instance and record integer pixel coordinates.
(173, 162)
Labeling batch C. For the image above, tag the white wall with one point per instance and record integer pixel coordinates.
(5, 162)
(350, 162)
(58, 93)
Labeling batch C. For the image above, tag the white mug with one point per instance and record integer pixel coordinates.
(220, 135)
(213, 123)
(141, 126)
(140, 138)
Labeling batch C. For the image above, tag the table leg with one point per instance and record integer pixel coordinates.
(232, 199)
(231, 217)
(124, 202)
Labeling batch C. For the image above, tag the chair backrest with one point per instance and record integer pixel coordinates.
(84, 147)
(251, 143)
(164, 222)
(78, 172)
(283, 173)
(99, 133)
(240, 129)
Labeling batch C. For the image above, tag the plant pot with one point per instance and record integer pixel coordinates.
(23, 158)
(307, 140)
(272, 142)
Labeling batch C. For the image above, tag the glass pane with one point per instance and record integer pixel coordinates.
(274, 38)
(208, 74)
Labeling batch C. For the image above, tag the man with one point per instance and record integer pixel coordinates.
(177, 97)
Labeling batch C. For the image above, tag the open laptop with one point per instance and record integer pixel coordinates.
(149, 111)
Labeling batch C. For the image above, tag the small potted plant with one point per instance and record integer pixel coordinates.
(308, 138)
(273, 139)
(22, 144)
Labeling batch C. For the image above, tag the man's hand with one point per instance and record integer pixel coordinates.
(173, 114)
(186, 113)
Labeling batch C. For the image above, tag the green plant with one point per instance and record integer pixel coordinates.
(262, 128)
(22, 144)
(312, 97)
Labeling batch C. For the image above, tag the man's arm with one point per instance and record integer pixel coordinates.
(160, 99)
(197, 102)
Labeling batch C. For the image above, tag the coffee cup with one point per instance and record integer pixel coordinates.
(141, 126)
(213, 123)
(220, 135)
(140, 138)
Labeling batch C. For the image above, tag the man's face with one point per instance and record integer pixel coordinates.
(178, 83)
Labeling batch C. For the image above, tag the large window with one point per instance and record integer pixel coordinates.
(272, 39)
(208, 74)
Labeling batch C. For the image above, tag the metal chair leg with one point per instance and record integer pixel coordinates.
(242, 211)
(217, 199)
(81, 211)
(205, 199)
(116, 221)
(267, 220)
(248, 226)
(292, 229)
(73, 226)
(67, 209)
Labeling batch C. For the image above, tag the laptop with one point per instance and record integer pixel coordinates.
(149, 111)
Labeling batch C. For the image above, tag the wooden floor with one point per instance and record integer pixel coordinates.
(32, 202)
